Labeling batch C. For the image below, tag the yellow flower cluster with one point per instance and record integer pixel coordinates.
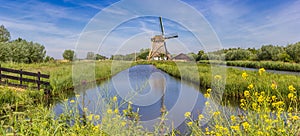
(265, 113)
(261, 71)
(244, 75)
(246, 126)
(274, 86)
(115, 98)
(247, 94)
(207, 94)
(200, 116)
(292, 93)
(216, 113)
(250, 86)
(187, 114)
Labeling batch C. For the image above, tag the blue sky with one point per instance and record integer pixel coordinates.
(57, 24)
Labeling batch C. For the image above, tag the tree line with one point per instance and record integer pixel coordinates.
(70, 55)
(20, 50)
(289, 53)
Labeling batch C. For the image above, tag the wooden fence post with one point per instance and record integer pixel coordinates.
(39, 79)
(0, 74)
(21, 76)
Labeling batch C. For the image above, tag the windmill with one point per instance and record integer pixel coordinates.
(158, 49)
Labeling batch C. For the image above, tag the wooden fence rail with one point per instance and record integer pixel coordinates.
(21, 79)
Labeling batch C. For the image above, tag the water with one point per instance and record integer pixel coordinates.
(268, 70)
(149, 89)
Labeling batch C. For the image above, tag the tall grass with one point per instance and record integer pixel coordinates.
(271, 65)
(261, 113)
(234, 86)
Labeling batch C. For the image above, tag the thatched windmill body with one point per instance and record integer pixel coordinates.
(158, 49)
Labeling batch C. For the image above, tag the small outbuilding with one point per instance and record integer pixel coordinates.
(182, 57)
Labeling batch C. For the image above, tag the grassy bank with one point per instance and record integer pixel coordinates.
(61, 72)
(234, 86)
(61, 81)
(272, 65)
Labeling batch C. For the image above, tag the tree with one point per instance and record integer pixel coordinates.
(90, 55)
(100, 57)
(269, 52)
(22, 51)
(293, 50)
(49, 59)
(238, 54)
(192, 56)
(69, 55)
(200, 55)
(143, 54)
(4, 34)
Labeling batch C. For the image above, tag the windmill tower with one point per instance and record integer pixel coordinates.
(158, 49)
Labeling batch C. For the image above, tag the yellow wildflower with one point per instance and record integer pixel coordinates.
(246, 125)
(206, 129)
(72, 101)
(292, 89)
(250, 86)
(125, 112)
(261, 71)
(216, 113)
(232, 117)
(274, 98)
(187, 114)
(242, 104)
(247, 94)
(236, 128)
(190, 123)
(109, 111)
(254, 106)
(260, 98)
(218, 77)
(274, 86)
(244, 75)
(260, 133)
(295, 118)
(116, 111)
(206, 95)
(97, 117)
(115, 98)
(123, 123)
(96, 128)
(208, 90)
(291, 96)
(200, 116)
(90, 117)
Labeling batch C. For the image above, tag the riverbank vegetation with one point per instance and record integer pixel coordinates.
(234, 86)
(269, 65)
(261, 113)
(259, 93)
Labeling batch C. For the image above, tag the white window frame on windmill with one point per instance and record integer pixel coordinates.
(158, 49)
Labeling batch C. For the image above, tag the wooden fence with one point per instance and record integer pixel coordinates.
(21, 79)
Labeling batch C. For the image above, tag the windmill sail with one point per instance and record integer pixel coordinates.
(159, 49)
